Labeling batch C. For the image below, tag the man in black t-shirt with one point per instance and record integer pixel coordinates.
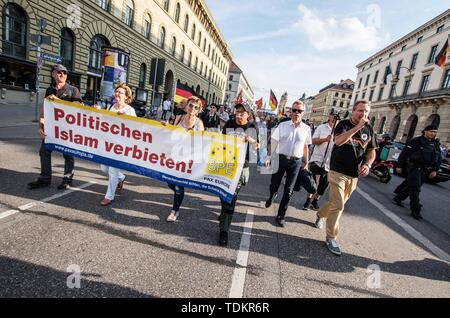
(239, 127)
(67, 92)
(352, 156)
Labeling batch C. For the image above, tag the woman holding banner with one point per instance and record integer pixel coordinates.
(190, 121)
(123, 97)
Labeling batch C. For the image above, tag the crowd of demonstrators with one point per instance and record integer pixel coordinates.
(61, 90)
(123, 97)
(289, 142)
(421, 158)
(211, 119)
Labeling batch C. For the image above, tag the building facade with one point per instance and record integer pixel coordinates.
(181, 32)
(237, 82)
(309, 103)
(407, 90)
(334, 96)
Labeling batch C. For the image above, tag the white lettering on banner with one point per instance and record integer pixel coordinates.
(207, 161)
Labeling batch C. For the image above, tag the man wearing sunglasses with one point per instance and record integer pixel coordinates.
(291, 138)
(64, 91)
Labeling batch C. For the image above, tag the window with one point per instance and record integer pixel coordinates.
(334, 103)
(376, 76)
(414, 61)
(336, 94)
(229, 87)
(104, 4)
(128, 13)
(147, 26)
(66, 46)
(166, 5)
(201, 68)
(182, 54)
(446, 82)
(199, 42)
(379, 61)
(424, 84)
(341, 104)
(162, 38)
(95, 52)
(360, 82)
(406, 87)
(142, 73)
(419, 39)
(367, 80)
(363, 95)
(177, 13)
(14, 31)
(403, 48)
(432, 54)
(392, 91)
(380, 93)
(440, 29)
(231, 77)
(209, 49)
(196, 63)
(189, 61)
(371, 94)
(186, 23)
(390, 54)
(174, 46)
(399, 65)
(193, 32)
(343, 95)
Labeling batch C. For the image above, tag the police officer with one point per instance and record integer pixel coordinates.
(421, 157)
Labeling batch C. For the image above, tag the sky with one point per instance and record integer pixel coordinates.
(300, 47)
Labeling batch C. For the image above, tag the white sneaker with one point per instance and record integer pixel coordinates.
(333, 247)
(172, 216)
(319, 223)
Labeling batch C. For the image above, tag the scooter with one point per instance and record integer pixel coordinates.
(383, 170)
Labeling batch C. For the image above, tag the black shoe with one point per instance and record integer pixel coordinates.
(417, 216)
(307, 203)
(280, 221)
(38, 184)
(270, 200)
(223, 238)
(398, 202)
(65, 185)
(315, 204)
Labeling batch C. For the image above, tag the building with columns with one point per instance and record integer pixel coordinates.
(333, 96)
(237, 82)
(182, 32)
(416, 92)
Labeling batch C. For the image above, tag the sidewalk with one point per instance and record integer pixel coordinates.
(12, 115)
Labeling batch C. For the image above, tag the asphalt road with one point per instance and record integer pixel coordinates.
(129, 250)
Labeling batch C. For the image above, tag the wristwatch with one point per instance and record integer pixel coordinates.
(366, 164)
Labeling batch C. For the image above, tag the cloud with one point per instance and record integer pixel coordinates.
(261, 36)
(335, 33)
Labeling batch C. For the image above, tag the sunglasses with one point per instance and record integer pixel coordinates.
(61, 73)
(294, 110)
(194, 106)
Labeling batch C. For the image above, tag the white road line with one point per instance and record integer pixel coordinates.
(409, 229)
(238, 280)
(53, 197)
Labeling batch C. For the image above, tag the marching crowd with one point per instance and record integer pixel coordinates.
(342, 152)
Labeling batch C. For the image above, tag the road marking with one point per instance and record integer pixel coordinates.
(238, 280)
(53, 197)
(409, 229)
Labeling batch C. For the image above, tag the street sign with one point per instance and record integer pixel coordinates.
(52, 58)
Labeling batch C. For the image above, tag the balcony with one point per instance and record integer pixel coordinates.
(422, 96)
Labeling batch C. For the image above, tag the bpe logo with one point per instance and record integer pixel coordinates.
(223, 160)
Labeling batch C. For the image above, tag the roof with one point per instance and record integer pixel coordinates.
(347, 84)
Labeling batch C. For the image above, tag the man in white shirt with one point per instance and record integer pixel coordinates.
(320, 160)
(291, 138)
(167, 104)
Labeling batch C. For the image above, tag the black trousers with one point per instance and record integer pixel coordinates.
(291, 169)
(322, 174)
(411, 187)
(178, 196)
(46, 165)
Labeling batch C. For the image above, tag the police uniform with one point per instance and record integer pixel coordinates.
(419, 158)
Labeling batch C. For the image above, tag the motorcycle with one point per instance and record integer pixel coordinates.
(383, 170)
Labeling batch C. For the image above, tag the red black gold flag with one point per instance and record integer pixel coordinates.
(259, 103)
(442, 56)
(273, 102)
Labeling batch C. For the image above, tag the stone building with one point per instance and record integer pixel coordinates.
(182, 32)
(237, 82)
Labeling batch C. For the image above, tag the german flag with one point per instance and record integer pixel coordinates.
(442, 56)
(273, 102)
(184, 92)
(259, 103)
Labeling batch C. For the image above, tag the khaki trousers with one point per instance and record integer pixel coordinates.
(341, 187)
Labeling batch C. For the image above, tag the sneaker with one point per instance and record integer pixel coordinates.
(105, 202)
(398, 202)
(120, 184)
(307, 203)
(223, 238)
(280, 221)
(319, 223)
(333, 247)
(270, 200)
(417, 216)
(315, 204)
(172, 216)
(37, 184)
(65, 185)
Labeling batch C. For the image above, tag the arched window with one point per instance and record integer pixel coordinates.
(209, 49)
(174, 46)
(66, 47)
(128, 12)
(104, 4)
(162, 38)
(199, 38)
(95, 51)
(201, 68)
(182, 53)
(204, 45)
(147, 26)
(142, 74)
(196, 63)
(189, 59)
(166, 5)
(186, 23)
(14, 31)
(177, 13)
(193, 32)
